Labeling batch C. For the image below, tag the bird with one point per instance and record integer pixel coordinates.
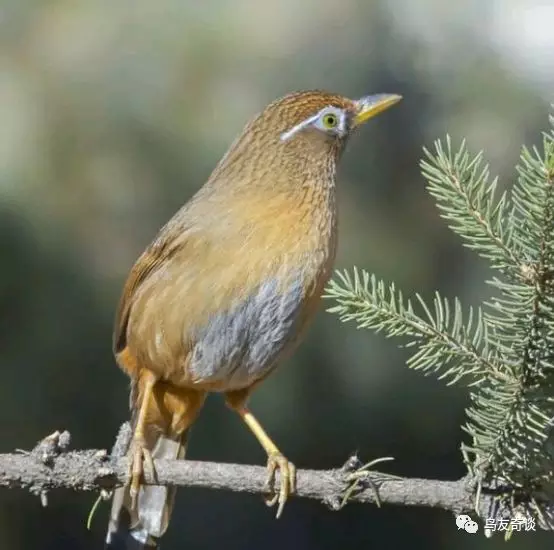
(226, 291)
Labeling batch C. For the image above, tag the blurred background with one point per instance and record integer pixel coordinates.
(114, 113)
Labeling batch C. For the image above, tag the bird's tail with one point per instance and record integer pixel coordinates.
(142, 528)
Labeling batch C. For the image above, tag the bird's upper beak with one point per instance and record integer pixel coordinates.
(371, 105)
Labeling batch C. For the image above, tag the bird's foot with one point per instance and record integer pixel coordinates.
(287, 471)
(140, 460)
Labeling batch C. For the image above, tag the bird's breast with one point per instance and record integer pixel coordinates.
(240, 345)
(236, 298)
(244, 342)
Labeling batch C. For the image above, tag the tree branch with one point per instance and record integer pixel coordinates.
(50, 466)
(93, 470)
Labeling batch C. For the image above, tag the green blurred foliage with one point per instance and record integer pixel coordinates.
(114, 113)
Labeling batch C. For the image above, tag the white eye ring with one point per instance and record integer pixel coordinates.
(331, 120)
(321, 121)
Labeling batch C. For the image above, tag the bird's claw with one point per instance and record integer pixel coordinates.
(140, 461)
(287, 472)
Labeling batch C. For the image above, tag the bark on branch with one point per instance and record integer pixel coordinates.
(51, 466)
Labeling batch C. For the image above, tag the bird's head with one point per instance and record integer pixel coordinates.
(302, 131)
(325, 117)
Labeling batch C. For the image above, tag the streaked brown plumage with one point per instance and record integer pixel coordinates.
(227, 289)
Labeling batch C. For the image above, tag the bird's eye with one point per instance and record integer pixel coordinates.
(330, 120)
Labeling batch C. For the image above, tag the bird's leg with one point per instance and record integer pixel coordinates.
(275, 458)
(138, 450)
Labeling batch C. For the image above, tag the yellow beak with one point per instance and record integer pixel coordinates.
(372, 105)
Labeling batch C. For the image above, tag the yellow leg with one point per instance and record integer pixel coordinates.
(138, 450)
(275, 460)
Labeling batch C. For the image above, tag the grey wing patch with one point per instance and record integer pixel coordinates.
(243, 344)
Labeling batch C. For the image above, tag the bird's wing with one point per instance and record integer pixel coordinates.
(161, 250)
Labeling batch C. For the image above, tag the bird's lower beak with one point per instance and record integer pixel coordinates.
(372, 105)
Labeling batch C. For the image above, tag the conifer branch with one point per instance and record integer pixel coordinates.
(507, 345)
(444, 340)
(467, 200)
